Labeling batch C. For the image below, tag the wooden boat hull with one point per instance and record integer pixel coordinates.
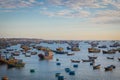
(75, 61)
(70, 54)
(96, 67)
(92, 57)
(60, 52)
(108, 69)
(10, 65)
(93, 50)
(110, 57)
(109, 52)
(87, 60)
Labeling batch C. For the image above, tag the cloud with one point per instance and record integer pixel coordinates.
(68, 13)
(105, 20)
(104, 11)
(76, 4)
(109, 13)
(107, 17)
(32, 1)
(72, 4)
(10, 4)
(98, 11)
(113, 3)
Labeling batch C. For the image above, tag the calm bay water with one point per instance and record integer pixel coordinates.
(46, 69)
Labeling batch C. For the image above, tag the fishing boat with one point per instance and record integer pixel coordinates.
(89, 60)
(15, 63)
(92, 57)
(48, 55)
(113, 66)
(67, 70)
(16, 53)
(27, 55)
(68, 48)
(25, 48)
(59, 52)
(118, 49)
(57, 74)
(114, 45)
(110, 68)
(70, 54)
(75, 49)
(96, 66)
(33, 53)
(4, 78)
(93, 50)
(59, 49)
(94, 44)
(3, 60)
(75, 61)
(72, 73)
(109, 52)
(103, 46)
(110, 57)
(41, 56)
(92, 63)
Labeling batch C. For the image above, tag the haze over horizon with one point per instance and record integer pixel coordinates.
(60, 19)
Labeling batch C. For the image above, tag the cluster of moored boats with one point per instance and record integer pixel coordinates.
(90, 59)
(12, 61)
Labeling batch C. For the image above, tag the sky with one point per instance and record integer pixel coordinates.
(60, 19)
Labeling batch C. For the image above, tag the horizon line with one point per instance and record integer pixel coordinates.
(62, 39)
